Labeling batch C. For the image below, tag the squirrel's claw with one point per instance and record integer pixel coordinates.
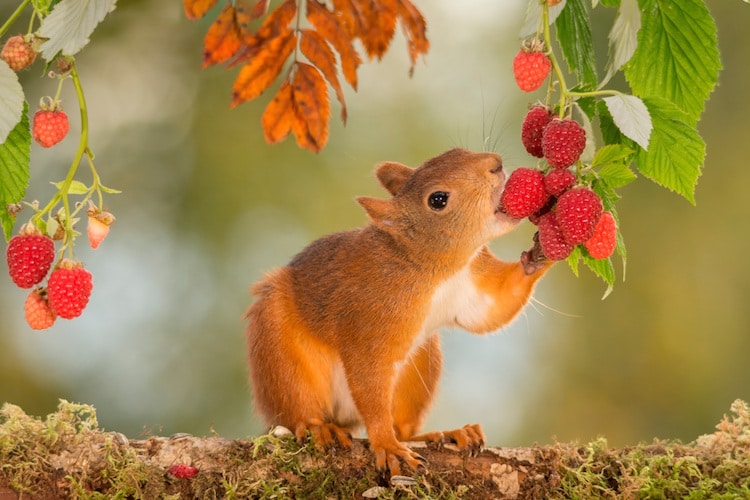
(534, 259)
(388, 460)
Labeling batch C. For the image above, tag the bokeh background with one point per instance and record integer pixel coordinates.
(208, 207)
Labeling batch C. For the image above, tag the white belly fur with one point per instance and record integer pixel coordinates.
(456, 302)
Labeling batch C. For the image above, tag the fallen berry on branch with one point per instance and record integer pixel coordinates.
(182, 471)
(532, 129)
(524, 193)
(603, 242)
(578, 211)
(558, 180)
(18, 53)
(30, 255)
(49, 127)
(553, 243)
(69, 288)
(531, 66)
(37, 311)
(563, 142)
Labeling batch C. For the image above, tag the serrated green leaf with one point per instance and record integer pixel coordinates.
(70, 24)
(677, 56)
(574, 34)
(617, 175)
(573, 259)
(11, 100)
(610, 3)
(612, 153)
(533, 19)
(623, 37)
(603, 268)
(76, 187)
(676, 152)
(15, 154)
(631, 117)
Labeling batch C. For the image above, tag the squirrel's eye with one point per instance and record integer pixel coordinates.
(438, 200)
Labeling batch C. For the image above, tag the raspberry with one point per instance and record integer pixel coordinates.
(69, 288)
(551, 238)
(531, 66)
(578, 211)
(563, 142)
(39, 315)
(18, 53)
(532, 129)
(557, 181)
(534, 218)
(524, 193)
(182, 471)
(603, 242)
(50, 127)
(30, 255)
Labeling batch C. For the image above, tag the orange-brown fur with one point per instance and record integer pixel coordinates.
(347, 333)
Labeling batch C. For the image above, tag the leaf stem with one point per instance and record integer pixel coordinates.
(14, 16)
(553, 60)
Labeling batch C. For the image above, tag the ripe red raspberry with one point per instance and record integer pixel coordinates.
(563, 142)
(524, 193)
(182, 471)
(551, 238)
(603, 242)
(557, 181)
(532, 129)
(18, 53)
(50, 127)
(39, 315)
(30, 255)
(531, 66)
(69, 288)
(578, 211)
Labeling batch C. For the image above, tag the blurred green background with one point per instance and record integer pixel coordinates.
(208, 207)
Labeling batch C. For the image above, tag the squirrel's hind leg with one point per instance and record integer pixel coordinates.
(290, 369)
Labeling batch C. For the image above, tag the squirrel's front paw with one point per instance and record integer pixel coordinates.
(388, 458)
(534, 260)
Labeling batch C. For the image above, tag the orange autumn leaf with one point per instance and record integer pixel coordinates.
(259, 9)
(279, 115)
(415, 30)
(350, 17)
(317, 51)
(378, 26)
(330, 28)
(276, 22)
(311, 106)
(263, 67)
(224, 36)
(195, 9)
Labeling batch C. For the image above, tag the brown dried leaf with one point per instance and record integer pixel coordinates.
(259, 9)
(263, 68)
(224, 36)
(332, 29)
(317, 51)
(415, 30)
(279, 115)
(378, 25)
(195, 9)
(312, 108)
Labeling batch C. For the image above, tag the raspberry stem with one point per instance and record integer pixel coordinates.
(14, 16)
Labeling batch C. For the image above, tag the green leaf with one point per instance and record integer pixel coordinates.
(574, 34)
(603, 268)
(574, 258)
(617, 175)
(533, 18)
(76, 187)
(14, 170)
(11, 100)
(676, 152)
(613, 153)
(610, 3)
(70, 24)
(677, 56)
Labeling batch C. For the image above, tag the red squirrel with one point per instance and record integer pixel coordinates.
(347, 334)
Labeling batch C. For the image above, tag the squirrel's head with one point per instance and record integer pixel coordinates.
(449, 204)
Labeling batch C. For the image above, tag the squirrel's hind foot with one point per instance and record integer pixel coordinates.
(323, 434)
(469, 438)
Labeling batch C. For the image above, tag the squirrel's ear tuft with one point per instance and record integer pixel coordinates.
(382, 213)
(393, 175)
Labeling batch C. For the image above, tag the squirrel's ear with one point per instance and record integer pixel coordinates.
(381, 212)
(393, 175)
